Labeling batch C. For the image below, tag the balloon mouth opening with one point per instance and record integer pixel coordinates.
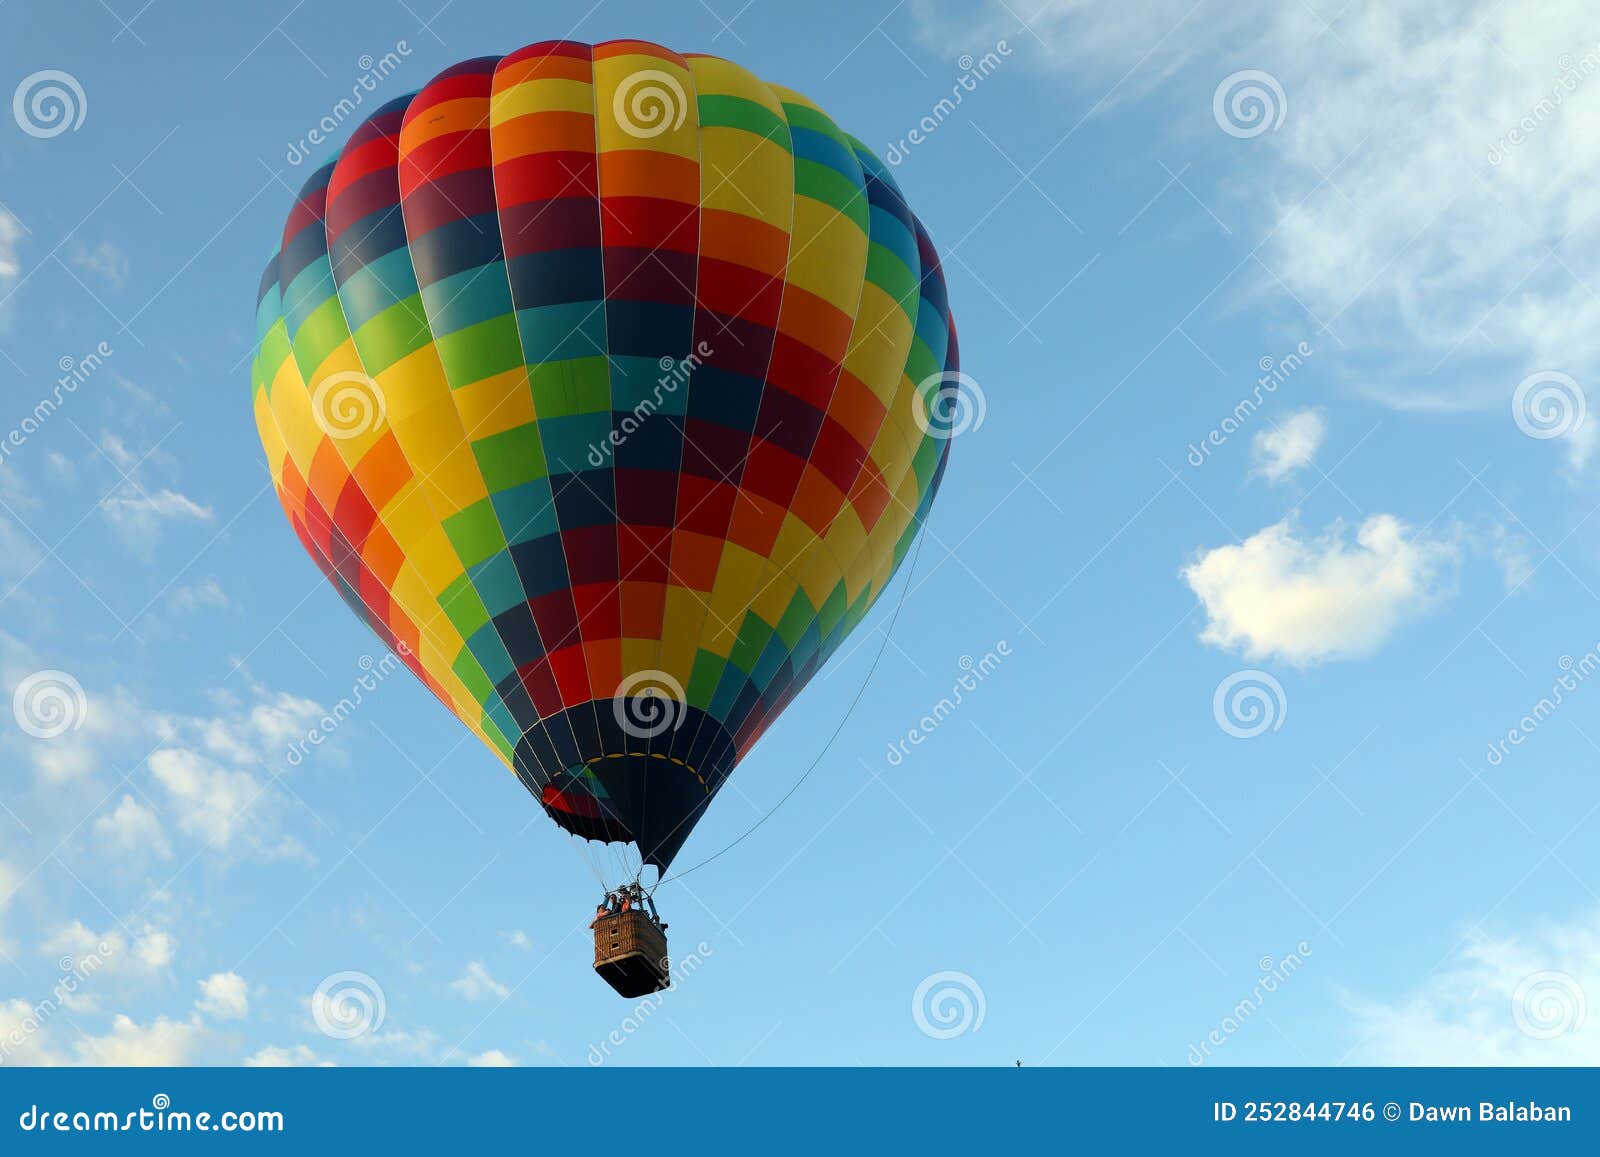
(599, 780)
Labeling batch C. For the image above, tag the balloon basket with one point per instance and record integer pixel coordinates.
(630, 953)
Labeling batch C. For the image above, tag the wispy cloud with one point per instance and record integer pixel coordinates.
(104, 260)
(1518, 998)
(1289, 446)
(476, 984)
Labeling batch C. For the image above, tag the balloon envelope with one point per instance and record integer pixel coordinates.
(609, 387)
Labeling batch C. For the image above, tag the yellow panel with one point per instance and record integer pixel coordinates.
(657, 97)
(829, 254)
(880, 343)
(545, 94)
(495, 404)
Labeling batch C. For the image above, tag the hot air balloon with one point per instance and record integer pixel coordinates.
(609, 387)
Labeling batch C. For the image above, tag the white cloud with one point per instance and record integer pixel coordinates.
(132, 830)
(105, 260)
(163, 1042)
(117, 450)
(1292, 445)
(112, 717)
(203, 595)
(10, 880)
(1311, 599)
(1512, 553)
(1508, 1000)
(492, 1059)
(1428, 194)
(210, 801)
(519, 939)
(274, 1057)
(476, 983)
(11, 232)
(137, 516)
(150, 950)
(24, 1038)
(225, 996)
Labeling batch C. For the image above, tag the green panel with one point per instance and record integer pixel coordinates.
(481, 351)
(397, 332)
(704, 678)
(463, 607)
(734, 112)
(575, 386)
(754, 632)
(798, 616)
(510, 458)
(475, 533)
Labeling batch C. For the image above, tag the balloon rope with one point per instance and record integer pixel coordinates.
(815, 763)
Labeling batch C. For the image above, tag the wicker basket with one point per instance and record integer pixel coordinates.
(630, 953)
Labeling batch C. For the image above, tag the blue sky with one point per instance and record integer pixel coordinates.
(1390, 551)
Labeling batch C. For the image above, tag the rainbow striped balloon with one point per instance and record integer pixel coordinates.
(609, 387)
